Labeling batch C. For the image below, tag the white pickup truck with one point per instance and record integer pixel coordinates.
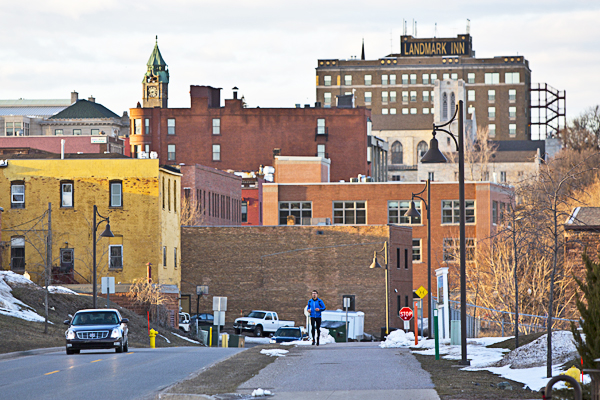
(260, 322)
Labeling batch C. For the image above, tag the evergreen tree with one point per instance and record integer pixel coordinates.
(589, 311)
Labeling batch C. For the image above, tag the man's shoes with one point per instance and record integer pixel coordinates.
(317, 343)
(313, 343)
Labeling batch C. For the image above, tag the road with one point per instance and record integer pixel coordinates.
(103, 374)
(345, 371)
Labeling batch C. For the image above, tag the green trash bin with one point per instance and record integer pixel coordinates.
(237, 341)
(337, 329)
(215, 338)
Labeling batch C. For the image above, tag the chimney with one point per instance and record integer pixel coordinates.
(74, 97)
(91, 99)
(235, 92)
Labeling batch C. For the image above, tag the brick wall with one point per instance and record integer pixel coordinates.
(276, 268)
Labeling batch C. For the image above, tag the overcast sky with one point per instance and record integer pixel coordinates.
(269, 49)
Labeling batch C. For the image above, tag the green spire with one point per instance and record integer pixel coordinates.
(157, 67)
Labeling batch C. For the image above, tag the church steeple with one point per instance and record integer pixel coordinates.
(156, 80)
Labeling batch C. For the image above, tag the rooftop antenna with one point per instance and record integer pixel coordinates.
(403, 27)
(415, 28)
(391, 43)
(468, 26)
(435, 32)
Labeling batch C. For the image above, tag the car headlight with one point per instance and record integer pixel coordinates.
(251, 323)
(70, 335)
(116, 333)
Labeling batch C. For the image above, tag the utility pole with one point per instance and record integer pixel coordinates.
(48, 263)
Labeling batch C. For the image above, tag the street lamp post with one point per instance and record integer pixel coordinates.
(412, 212)
(434, 155)
(375, 264)
(107, 233)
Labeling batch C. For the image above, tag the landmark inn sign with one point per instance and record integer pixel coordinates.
(459, 46)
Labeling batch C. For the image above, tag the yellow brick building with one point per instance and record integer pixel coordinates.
(140, 198)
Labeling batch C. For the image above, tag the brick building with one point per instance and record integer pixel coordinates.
(241, 139)
(210, 196)
(252, 198)
(358, 204)
(277, 267)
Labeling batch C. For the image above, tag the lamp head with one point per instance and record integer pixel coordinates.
(107, 232)
(433, 155)
(375, 264)
(412, 211)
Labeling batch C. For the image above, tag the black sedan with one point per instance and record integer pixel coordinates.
(287, 334)
(97, 329)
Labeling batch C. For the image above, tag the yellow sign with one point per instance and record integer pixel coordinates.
(421, 292)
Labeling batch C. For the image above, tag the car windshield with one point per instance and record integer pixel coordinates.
(96, 318)
(257, 314)
(288, 332)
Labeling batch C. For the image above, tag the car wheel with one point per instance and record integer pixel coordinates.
(120, 348)
(76, 351)
(126, 347)
(69, 352)
(258, 331)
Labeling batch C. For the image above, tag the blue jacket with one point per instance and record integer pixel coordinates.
(312, 304)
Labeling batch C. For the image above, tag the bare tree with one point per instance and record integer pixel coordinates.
(583, 133)
(143, 292)
(192, 212)
(478, 155)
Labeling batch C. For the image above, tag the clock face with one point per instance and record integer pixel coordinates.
(152, 91)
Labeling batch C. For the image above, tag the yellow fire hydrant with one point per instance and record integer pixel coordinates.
(574, 373)
(153, 334)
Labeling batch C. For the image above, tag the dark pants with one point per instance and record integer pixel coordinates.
(315, 323)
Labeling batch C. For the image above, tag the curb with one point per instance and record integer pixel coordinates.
(18, 354)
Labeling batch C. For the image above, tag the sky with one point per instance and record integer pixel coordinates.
(269, 49)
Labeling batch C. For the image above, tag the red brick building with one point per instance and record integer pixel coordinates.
(385, 203)
(252, 198)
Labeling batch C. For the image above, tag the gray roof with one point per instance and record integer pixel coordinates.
(584, 217)
(519, 145)
(38, 111)
(83, 109)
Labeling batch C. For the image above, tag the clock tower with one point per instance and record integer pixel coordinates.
(156, 81)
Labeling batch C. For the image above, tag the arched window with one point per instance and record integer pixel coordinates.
(444, 107)
(422, 149)
(452, 103)
(397, 153)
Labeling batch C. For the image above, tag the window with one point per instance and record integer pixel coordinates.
(17, 194)
(492, 78)
(413, 110)
(405, 258)
(511, 77)
(175, 257)
(216, 152)
(445, 77)
(397, 154)
(116, 256)
(327, 97)
(147, 126)
(348, 80)
(512, 130)
(422, 148)
(491, 96)
(116, 194)
(165, 256)
(350, 212)
(17, 253)
(171, 152)
(512, 95)
(413, 79)
(494, 212)
(512, 112)
(368, 97)
(471, 77)
(491, 112)
(492, 130)
(384, 79)
(321, 126)
(137, 126)
(384, 97)
(413, 95)
(77, 132)
(503, 176)
(470, 95)
(416, 250)
(95, 131)
(321, 151)
(425, 78)
(444, 106)
(244, 211)
(426, 111)
(451, 211)
(9, 129)
(216, 126)
(426, 96)
(405, 97)
(392, 111)
(433, 78)
(452, 103)
(171, 126)
(405, 79)
(405, 111)
(66, 194)
(327, 79)
(392, 97)
(367, 80)
(302, 212)
(397, 209)
(454, 77)
(384, 111)
(392, 79)
(397, 178)
(58, 131)
(452, 249)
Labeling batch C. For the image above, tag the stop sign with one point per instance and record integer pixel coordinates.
(406, 313)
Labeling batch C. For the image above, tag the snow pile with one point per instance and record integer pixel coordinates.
(398, 338)
(261, 340)
(325, 337)
(61, 290)
(534, 354)
(11, 306)
(261, 392)
(274, 352)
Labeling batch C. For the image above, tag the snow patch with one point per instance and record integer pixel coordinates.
(274, 352)
(14, 307)
(185, 338)
(534, 354)
(261, 393)
(61, 290)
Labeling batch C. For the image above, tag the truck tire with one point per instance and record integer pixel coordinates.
(258, 331)
(238, 331)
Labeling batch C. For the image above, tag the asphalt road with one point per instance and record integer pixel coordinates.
(103, 374)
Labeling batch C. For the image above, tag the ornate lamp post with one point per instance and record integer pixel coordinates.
(107, 233)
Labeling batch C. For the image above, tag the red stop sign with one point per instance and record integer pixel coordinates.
(406, 313)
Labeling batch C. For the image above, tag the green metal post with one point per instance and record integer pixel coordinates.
(437, 338)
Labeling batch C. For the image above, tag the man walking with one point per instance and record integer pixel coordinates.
(315, 307)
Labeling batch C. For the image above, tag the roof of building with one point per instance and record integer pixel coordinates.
(83, 109)
(157, 67)
(519, 145)
(40, 111)
(35, 103)
(70, 156)
(584, 218)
